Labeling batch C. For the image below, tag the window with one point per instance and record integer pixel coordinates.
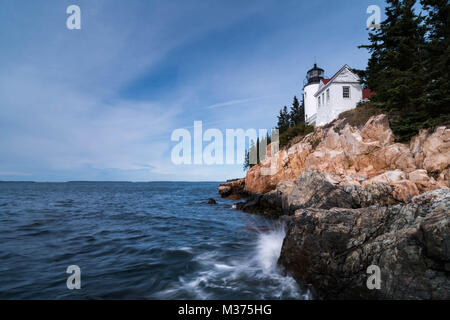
(323, 98)
(346, 92)
(318, 101)
(328, 95)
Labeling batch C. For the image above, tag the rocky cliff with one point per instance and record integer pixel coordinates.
(351, 198)
(363, 156)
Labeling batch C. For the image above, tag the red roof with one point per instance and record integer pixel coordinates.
(367, 93)
(325, 81)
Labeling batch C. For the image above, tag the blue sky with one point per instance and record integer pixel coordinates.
(100, 103)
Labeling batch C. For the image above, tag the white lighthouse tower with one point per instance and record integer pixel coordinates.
(313, 78)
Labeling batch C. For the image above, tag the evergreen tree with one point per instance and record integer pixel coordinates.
(394, 69)
(396, 50)
(437, 61)
(297, 113)
(283, 120)
(251, 156)
(246, 165)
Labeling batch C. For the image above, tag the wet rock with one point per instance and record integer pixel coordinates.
(314, 189)
(266, 204)
(233, 189)
(225, 190)
(331, 249)
(211, 201)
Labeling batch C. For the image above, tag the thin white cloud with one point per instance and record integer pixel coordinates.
(233, 102)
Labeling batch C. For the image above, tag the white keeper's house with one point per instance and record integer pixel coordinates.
(325, 98)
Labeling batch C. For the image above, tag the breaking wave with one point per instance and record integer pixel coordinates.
(255, 275)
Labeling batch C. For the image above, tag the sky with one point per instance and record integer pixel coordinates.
(101, 103)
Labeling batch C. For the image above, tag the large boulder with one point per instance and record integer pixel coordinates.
(432, 149)
(422, 180)
(403, 188)
(331, 250)
(314, 189)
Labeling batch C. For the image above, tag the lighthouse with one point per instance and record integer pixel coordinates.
(312, 82)
(325, 98)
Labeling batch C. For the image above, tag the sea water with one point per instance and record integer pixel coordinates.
(156, 240)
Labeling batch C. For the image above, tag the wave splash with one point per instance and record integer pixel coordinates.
(269, 247)
(256, 275)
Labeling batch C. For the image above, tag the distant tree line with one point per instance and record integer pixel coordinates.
(254, 149)
(409, 66)
(292, 123)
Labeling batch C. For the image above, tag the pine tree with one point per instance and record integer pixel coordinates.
(251, 156)
(246, 165)
(437, 61)
(283, 120)
(394, 69)
(297, 113)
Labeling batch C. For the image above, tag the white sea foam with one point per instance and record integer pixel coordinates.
(223, 266)
(269, 247)
(219, 276)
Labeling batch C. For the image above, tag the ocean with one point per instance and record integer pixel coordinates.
(156, 240)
